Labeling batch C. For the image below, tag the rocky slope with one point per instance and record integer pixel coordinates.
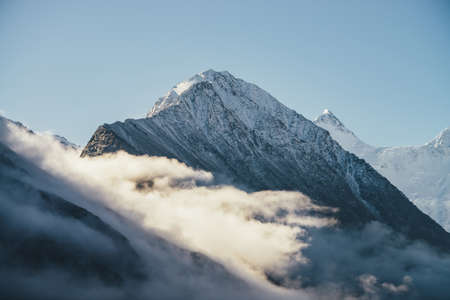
(236, 130)
(421, 172)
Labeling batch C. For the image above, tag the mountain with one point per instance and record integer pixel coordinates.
(61, 139)
(238, 131)
(421, 172)
(65, 141)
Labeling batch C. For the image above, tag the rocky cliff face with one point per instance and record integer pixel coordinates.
(238, 131)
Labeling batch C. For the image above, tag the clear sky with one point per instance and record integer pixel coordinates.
(382, 67)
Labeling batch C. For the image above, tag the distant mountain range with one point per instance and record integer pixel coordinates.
(421, 172)
(238, 131)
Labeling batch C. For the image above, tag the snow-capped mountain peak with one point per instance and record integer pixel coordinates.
(345, 137)
(329, 118)
(208, 76)
(172, 97)
(442, 140)
(237, 95)
(421, 172)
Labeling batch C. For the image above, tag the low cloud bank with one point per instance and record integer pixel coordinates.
(262, 239)
(252, 232)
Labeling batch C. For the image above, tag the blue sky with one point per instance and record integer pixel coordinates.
(383, 67)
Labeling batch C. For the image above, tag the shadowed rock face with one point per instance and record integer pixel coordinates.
(110, 143)
(234, 129)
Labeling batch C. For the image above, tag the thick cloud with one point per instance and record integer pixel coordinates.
(184, 227)
(371, 263)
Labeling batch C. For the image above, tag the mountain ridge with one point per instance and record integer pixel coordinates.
(422, 172)
(227, 126)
